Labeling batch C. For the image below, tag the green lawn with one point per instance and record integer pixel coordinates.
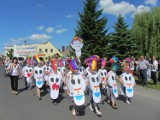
(150, 84)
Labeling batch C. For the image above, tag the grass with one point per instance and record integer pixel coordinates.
(150, 84)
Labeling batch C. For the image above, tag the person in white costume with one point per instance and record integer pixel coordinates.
(110, 81)
(27, 73)
(127, 82)
(93, 83)
(75, 86)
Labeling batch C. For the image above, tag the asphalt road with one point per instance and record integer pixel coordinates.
(26, 106)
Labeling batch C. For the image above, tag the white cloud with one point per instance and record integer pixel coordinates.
(61, 30)
(40, 37)
(141, 9)
(152, 2)
(49, 29)
(40, 27)
(70, 16)
(122, 8)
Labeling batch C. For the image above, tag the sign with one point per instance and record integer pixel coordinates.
(41, 55)
(77, 44)
(23, 51)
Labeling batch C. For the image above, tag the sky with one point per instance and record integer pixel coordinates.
(39, 21)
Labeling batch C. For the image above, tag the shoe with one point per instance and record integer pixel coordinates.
(73, 112)
(90, 107)
(40, 98)
(114, 106)
(13, 91)
(128, 102)
(55, 102)
(16, 93)
(98, 113)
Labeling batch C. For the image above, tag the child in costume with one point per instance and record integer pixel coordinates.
(75, 85)
(55, 80)
(39, 75)
(127, 82)
(47, 69)
(27, 73)
(110, 81)
(103, 72)
(93, 82)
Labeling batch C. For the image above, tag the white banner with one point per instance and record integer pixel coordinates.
(24, 50)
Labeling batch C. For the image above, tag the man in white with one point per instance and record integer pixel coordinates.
(154, 68)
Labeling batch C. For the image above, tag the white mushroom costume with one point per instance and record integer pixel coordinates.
(94, 79)
(76, 83)
(38, 73)
(128, 80)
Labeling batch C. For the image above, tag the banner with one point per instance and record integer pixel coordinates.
(24, 50)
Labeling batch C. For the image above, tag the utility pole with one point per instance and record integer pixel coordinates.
(25, 42)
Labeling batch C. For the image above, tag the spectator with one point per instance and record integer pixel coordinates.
(143, 65)
(132, 66)
(159, 70)
(14, 70)
(154, 68)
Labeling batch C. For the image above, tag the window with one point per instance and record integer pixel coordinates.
(46, 50)
(40, 50)
(51, 50)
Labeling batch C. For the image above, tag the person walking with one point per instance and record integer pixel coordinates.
(154, 68)
(143, 65)
(14, 70)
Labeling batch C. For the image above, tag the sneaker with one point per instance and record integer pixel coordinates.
(98, 112)
(40, 98)
(90, 107)
(128, 102)
(73, 112)
(13, 91)
(16, 93)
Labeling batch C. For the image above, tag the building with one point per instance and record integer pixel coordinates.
(43, 50)
(65, 52)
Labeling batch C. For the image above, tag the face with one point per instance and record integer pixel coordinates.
(142, 57)
(39, 64)
(102, 67)
(75, 71)
(15, 60)
(154, 58)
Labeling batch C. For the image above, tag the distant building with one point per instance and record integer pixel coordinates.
(65, 52)
(43, 50)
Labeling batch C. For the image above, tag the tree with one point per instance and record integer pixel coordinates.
(146, 32)
(10, 53)
(121, 44)
(91, 28)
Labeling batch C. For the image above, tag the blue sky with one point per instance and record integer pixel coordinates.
(38, 21)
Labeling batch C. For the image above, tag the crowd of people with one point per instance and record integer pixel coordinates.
(57, 74)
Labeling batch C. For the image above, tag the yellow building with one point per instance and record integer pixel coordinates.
(43, 50)
(47, 49)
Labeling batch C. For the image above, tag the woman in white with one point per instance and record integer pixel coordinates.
(14, 70)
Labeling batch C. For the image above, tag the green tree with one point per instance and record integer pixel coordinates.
(121, 44)
(10, 53)
(146, 32)
(91, 28)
